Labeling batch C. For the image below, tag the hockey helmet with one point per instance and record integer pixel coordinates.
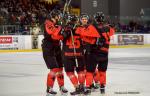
(99, 17)
(72, 18)
(84, 15)
(54, 13)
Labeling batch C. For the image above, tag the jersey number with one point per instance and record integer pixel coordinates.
(75, 40)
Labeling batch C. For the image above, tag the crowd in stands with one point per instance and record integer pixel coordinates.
(133, 27)
(31, 12)
(24, 12)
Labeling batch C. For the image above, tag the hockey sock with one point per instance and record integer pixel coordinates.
(51, 77)
(96, 76)
(102, 77)
(81, 77)
(73, 78)
(60, 77)
(89, 79)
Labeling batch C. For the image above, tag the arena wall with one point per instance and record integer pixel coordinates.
(22, 42)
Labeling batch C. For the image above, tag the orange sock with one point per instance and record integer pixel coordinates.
(81, 77)
(102, 77)
(60, 77)
(73, 78)
(51, 77)
(96, 76)
(89, 79)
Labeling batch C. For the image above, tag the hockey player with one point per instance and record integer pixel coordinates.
(100, 51)
(89, 35)
(52, 53)
(73, 56)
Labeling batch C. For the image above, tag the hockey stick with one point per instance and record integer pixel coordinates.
(67, 3)
(66, 9)
(76, 60)
(74, 50)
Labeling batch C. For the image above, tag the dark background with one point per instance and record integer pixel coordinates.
(114, 7)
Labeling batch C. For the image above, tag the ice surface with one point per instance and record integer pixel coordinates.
(24, 74)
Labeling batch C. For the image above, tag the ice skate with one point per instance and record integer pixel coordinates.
(102, 89)
(82, 88)
(64, 91)
(76, 92)
(95, 87)
(51, 92)
(87, 91)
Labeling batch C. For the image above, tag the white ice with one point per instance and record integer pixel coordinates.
(24, 74)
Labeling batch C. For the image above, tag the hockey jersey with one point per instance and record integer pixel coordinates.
(72, 44)
(53, 30)
(105, 32)
(88, 34)
(50, 31)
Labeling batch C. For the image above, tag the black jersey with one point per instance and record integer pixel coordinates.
(72, 44)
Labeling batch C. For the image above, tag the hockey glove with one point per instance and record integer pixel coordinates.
(66, 34)
(100, 42)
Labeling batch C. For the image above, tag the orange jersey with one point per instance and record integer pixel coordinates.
(105, 32)
(72, 42)
(53, 30)
(88, 33)
(108, 34)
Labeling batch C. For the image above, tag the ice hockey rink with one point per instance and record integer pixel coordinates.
(24, 73)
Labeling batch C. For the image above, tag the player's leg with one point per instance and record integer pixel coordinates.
(90, 68)
(69, 65)
(51, 64)
(103, 64)
(50, 81)
(60, 74)
(81, 74)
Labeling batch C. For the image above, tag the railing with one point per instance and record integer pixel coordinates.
(20, 30)
(122, 25)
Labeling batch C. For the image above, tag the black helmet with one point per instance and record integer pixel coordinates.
(99, 17)
(72, 18)
(54, 13)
